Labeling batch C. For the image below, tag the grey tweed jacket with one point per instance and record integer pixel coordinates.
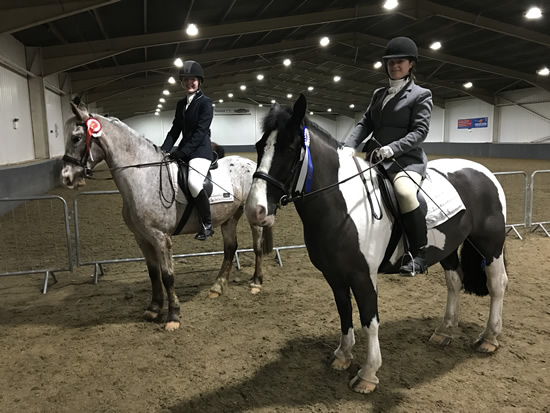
(402, 125)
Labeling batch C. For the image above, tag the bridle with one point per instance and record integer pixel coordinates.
(93, 129)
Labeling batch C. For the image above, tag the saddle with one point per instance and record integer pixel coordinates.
(183, 174)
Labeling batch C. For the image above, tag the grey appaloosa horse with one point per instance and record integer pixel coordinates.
(141, 173)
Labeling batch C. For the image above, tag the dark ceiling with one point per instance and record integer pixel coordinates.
(120, 54)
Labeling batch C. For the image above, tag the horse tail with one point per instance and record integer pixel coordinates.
(267, 240)
(473, 269)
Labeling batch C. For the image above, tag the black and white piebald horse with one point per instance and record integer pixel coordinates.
(348, 230)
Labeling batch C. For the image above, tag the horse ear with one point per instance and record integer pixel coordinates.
(299, 110)
(80, 112)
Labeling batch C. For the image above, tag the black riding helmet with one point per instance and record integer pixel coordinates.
(192, 69)
(401, 47)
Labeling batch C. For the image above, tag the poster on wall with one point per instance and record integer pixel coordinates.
(231, 111)
(473, 123)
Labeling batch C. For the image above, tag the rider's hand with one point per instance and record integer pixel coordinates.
(175, 155)
(348, 151)
(384, 152)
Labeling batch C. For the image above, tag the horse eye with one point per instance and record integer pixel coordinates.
(75, 138)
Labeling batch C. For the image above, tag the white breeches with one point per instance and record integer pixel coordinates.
(198, 169)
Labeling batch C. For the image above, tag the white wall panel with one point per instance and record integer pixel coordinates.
(55, 124)
(16, 145)
(437, 125)
(467, 109)
(12, 50)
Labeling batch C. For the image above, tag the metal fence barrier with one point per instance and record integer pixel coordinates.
(539, 213)
(35, 237)
(516, 202)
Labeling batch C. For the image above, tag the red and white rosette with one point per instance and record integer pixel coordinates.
(93, 128)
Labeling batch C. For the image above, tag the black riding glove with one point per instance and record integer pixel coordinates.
(177, 155)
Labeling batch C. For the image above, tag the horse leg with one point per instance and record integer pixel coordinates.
(443, 334)
(257, 279)
(364, 291)
(157, 297)
(342, 356)
(164, 255)
(229, 235)
(497, 279)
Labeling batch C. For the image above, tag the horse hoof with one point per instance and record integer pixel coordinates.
(440, 340)
(482, 346)
(358, 385)
(255, 288)
(172, 325)
(213, 294)
(339, 364)
(149, 315)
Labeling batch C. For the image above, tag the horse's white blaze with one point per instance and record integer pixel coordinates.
(374, 358)
(347, 341)
(257, 198)
(372, 243)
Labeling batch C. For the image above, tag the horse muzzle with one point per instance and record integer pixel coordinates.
(70, 179)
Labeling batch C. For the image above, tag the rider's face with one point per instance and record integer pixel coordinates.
(399, 67)
(190, 84)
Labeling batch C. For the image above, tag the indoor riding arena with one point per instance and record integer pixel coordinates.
(76, 299)
(84, 346)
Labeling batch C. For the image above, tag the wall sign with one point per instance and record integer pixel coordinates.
(473, 123)
(231, 111)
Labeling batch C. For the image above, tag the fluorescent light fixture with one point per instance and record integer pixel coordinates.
(230, 95)
(324, 41)
(435, 46)
(156, 114)
(178, 62)
(260, 105)
(171, 80)
(273, 101)
(337, 78)
(543, 72)
(390, 4)
(159, 106)
(329, 110)
(243, 87)
(378, 65)
(287, 62)
(192, 30)
(213, 105)
(165, 92)
(162, 100)
(310, 88)
(260, 77)
(533, 13)
(311, 113)
(289, 96)
(352, 106)
(468, 85)
(221, 100)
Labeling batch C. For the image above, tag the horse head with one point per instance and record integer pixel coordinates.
(82, 152)
(279, 153)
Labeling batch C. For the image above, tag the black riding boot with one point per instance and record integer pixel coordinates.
(203, 209)
(414, 224)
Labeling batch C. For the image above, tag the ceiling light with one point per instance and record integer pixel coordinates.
(213, 105)
(289, 96)
(162, 100)
(230, 95)
(260, 105)
(533, 13)
(243, 87)
(157, 110)
(310, 88)
(311, 113)
(166, 92)
(287, 62)
(171, 80)
(159, 106)
(543, 72)
(178, 62)
(324, 41)
(435, 46)
(468, 85)
(337, 78)
(272, 101)
(260, 77)
(352, 106)
(221, 100)
(192, 30)
(156, 114)
(390, 4)
(329, 110)
(378, 65)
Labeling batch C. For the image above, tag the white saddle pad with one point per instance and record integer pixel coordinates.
(445, 201)
(222, 188)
